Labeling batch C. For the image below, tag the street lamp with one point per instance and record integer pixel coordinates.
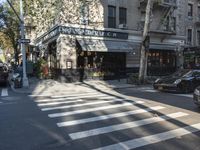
(21, 19)
(25, 79)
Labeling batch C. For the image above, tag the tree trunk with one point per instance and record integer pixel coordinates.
(145, 44)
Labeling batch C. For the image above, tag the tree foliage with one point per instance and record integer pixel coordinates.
(9, 27)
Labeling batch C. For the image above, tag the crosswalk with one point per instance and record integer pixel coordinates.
(4, 92)
(87, 116)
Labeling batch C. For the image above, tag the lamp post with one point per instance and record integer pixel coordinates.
(25, 79)
(21, 19)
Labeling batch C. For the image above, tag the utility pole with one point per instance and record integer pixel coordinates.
(145, 44)
(25, 79)
(21, 19)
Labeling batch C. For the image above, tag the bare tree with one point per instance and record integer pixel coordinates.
(145, 44)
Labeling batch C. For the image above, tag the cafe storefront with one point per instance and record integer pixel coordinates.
(79, 53)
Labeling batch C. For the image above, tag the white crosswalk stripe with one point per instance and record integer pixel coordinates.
(123, 126)
(57, 103)
(75, 98)
(76, 94)
(79, 105)
(4, 92)
(82, 121)
(139, 142)
(90, 102)
(92, 109)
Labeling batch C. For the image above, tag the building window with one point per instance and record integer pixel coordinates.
(122, 15)
(84, 13)
(173, 23)
(111, 17)
(198, 13)
(198, 38)
(189, 36)
(190, 10)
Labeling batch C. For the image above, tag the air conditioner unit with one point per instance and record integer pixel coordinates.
(123, 26)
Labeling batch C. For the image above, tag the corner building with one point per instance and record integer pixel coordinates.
(102, 38)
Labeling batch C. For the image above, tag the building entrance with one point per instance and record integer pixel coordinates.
(105, 65)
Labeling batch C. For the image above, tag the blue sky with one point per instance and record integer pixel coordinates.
(2, 1)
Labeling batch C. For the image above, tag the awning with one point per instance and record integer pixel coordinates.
(162, 46)
(107, 45)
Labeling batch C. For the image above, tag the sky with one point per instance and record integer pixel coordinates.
(1, 1)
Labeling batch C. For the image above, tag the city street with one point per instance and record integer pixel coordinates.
(103, 118)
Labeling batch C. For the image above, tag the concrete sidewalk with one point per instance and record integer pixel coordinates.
(52, 87)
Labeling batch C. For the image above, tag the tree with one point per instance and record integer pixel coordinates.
(9, 27)
(145, 44)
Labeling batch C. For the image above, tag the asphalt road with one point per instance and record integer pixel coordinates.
(139, 118)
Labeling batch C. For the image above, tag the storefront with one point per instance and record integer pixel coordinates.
(77, 53)
(161, 60)
(191, 58)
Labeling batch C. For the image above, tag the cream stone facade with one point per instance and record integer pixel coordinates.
(80, 31)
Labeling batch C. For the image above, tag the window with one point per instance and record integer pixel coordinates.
(84, 14)
(189, 36)
(190, 10)
(173, 23)
(122, 15)
(111, 17)
(198, 13)
(198, 38)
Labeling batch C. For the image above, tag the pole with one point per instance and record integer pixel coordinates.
(25, 79)
(145, 44)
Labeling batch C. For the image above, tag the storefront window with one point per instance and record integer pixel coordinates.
(103, 64)
(161, 62)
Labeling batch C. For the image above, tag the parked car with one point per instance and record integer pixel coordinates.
(196, 96)
(182, 81)
(3, 73)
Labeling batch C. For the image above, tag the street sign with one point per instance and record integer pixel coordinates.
(25, 41)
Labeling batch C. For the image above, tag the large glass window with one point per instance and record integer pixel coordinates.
(161, 62)
(122, 15)
(111, 17)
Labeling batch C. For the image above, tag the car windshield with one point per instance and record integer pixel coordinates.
(182, 73)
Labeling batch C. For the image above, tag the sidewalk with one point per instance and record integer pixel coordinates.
(52, 87)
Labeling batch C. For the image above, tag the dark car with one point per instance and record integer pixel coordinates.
(182, 81)
(196, 96)
(3, 74)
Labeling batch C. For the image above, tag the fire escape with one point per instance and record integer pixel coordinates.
(167, 19)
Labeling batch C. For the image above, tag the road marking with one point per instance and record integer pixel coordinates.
(77, 94)
(185, 95)
(92, 109)
(93, 119)
(4, 92)
(58, 99)
(108, 129)
(107, 97)
(57, 103)
(70, 98)
(139, 142)
(79, 105)
(151, 91)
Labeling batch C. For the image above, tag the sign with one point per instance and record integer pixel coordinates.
(80, 31)
(25, 41)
